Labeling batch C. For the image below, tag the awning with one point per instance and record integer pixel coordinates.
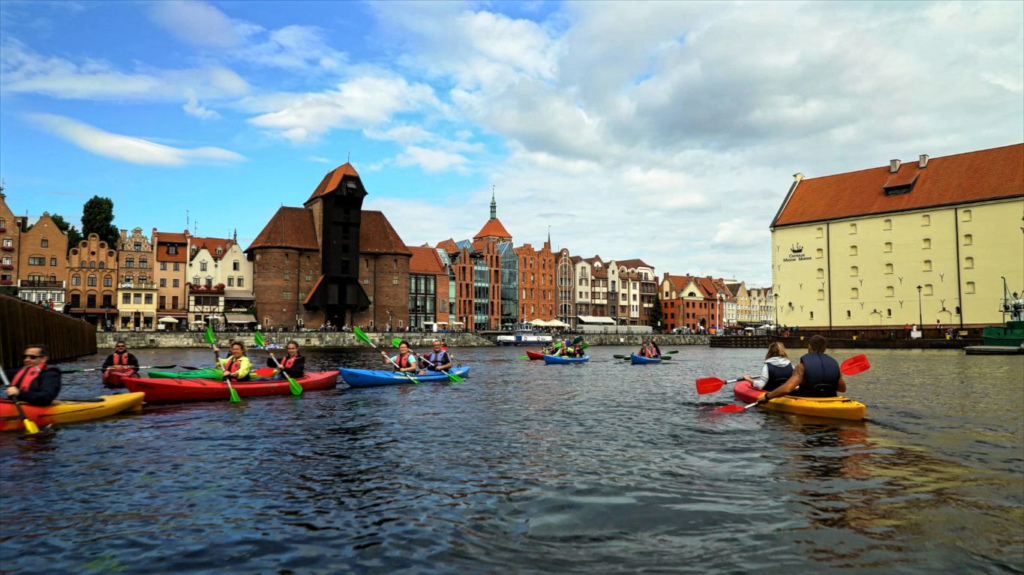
(596, 319)
(167, 320)
(538, 323)
(240, 318)
(557, 323)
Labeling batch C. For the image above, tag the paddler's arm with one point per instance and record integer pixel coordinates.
(245, 366)
(49, 389)
(786, 388)
(842, 384)
(133, 361)
(107, 363)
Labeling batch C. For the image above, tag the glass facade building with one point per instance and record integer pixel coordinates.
(422, 298)
(509, 285)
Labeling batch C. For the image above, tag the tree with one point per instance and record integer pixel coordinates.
(656, 316)
(74, 236)
(98, 218)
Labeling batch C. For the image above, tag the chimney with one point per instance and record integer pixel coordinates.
(798, 176)
(894, 166)
(922, 161)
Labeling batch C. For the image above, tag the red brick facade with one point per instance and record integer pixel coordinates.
(536, 283)
(10, 237)
(284, 277)
(385, 279)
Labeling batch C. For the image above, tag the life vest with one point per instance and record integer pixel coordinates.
(120, 358)
(402, 361)
(778, 375)
(26, 376)
(438, 359)
(232, 365)
(288, 362)
(821, 376)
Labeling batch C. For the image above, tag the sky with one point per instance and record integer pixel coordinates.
(667, 131)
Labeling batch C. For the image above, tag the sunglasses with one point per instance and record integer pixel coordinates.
(30, 356)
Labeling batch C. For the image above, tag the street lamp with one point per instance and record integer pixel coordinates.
(920, 313)
(718, 323)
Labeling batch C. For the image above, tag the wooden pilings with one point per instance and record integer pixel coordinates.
(23, 323)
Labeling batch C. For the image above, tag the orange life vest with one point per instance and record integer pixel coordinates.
(402, 361)
(26, 376)
(120, 358)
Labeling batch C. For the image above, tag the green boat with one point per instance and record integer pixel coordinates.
(197, 374)
(1012, 333)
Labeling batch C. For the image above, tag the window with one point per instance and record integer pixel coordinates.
(202, 266)
(91, 281)
(163, 266)
(309, 278)
(890, 291)
(8, 243)
(36, 261)
(231, 282)
(821, 274)
(129, 263)
(235, 266)
(138, 247)
(854, 294)
(888, 247)
(195, 281)
(854, 271)
(969, 287)
(394, 281)
(286, 295)
(93, 264)
(819, 253)
(241, 282)
(821, 294)
(812, 315)
(108, 281)
(887, 225)
(149, 299)
(128, 278)
(819, 232)
(102, 265)
(177, 267)
(163, 282)
(968, 239)
(286, 257)
(45, 243)
(84, 264)
(137, 299)
(163, 302)
(126, 298)
(287, 275)
(76, 280)
(848, 314)
(302, 296)
(853, 250)
(853, 229)
(220, 250)
(143, 263)
(142, 279)
(969, 263)
(172, 250)
(174, 283)
(926, 244)
(926, 220)
(53, 262)
(965, 216)
(928, 289)
(927, 265)
(888, 268)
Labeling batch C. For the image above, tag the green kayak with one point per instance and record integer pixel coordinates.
(197, 374)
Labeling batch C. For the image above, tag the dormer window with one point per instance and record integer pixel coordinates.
(220, 250)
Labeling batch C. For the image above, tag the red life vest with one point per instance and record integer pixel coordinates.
(402, 361)
(120, 358)
(288, 362)
(26, 376)
(232, 365)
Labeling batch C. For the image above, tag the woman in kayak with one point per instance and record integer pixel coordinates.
(777, 369)
(404, 361)
(817, 375)
(35, 383)
(293, 364)
(235, 366)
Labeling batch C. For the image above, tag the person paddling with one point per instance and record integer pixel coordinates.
(35, 383)
(235, 366)
(777, 369)
(293, 364)
(404, 361)
(817, 375)
(438, 360)
(121, 360)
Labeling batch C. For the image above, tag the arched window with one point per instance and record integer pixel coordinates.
(888, 268)
(102, 265)
(927, 265)
(92, 265)
(926, 220)
(890, 291)
(887, 225)
(854, 293)
(853, 250)
(926, 244)
(91, 281)
(968, 263)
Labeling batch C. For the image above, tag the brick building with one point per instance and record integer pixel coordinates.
(171, 253)
(43, 265)
(286, 260)
(10, 235)
(136, 284)
(697, 303)
(383, 273)
(92, 273)
(536, 283)
(428, 288)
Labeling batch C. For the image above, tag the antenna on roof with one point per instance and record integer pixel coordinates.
(349, 160)
(186, 221)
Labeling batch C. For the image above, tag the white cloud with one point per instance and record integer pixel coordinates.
(318, 160)
(741, 232)
(401, 134)
(431, 161)
(194, 108)
(127, 148)
(200, 24)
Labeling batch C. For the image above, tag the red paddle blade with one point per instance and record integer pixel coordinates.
(855, 365)
(709, 385)
(729, 409)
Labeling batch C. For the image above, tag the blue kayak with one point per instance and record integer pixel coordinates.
(641, 359)
(371, 377)
(559, 359)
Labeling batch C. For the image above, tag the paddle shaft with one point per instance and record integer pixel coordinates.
(291, 382)
(30, 426)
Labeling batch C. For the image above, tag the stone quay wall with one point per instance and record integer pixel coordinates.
(595, 339)
(311, 339)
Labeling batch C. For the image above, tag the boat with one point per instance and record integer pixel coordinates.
(641, 359)
(374, 377)
(1011, 333)
(167, 390)
(534, 354)
(207, 373)
(559, 359)
(838, 407)
(112, 378)
(64, 411)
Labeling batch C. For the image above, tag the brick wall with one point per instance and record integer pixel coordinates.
(537, 278)
(54, 255)
(385, 279)
(280, 270)
(12, 232)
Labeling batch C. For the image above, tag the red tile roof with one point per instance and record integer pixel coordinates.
(633, 263)
(968, 177)
(211, 245)
(377, 236)
(171, 238)
(493, 228)
(289, 228)
(163, 238)
(333, 179)
(425, 261)
(448, 246)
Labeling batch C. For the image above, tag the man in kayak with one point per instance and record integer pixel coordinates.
(775, 372)
(817, 375)
(121, 360)
(438, 360)
(404, 361)
(35, 383)
(293, 364)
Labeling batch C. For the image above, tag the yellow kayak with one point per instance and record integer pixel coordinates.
(69, 411)
(831, 407)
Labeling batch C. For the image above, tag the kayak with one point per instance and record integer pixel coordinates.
(373, 378)
(641, 359)
(559, 359)
(534, 354)
(113, 378)
(170, 390)
(838, 407)
(68, 410)
(209, 373)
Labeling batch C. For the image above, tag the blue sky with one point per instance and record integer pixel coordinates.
(667, 131)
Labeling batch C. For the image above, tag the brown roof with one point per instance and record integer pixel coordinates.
(162, 238)
(289, 228)
(425, 261)
(448, 246)
(211, 245)
(633, 263)
(171, 238)
(968, 177)
(493, 228)
(377, 236)
(333, 179)
(479, 246)
(705, 285)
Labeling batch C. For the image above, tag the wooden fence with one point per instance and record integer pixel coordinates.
(23, 323)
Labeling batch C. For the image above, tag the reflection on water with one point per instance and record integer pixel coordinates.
(532, 468)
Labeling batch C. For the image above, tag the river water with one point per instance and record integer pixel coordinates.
(527, 468)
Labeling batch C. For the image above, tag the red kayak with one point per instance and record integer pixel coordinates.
(534, 354)
(112, 378)
(173, 390)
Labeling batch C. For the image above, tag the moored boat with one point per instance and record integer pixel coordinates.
(166, 390)
(838, 407)
(64, 411)
(559, 359)
(639, 359)
(375, 377)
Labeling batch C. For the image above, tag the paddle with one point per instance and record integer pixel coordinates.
(141, 367)
(851, 366)
(231, 390)
(30, 426)
(292, 384)
(451, 376)
(364, 338)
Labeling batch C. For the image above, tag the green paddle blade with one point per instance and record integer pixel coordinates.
(259, 339)
(293, 385)
(361, 336)
(578, 339)
(397, 341)
(524, 357)
(453, 377)
(234, 394)
(209, 334)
